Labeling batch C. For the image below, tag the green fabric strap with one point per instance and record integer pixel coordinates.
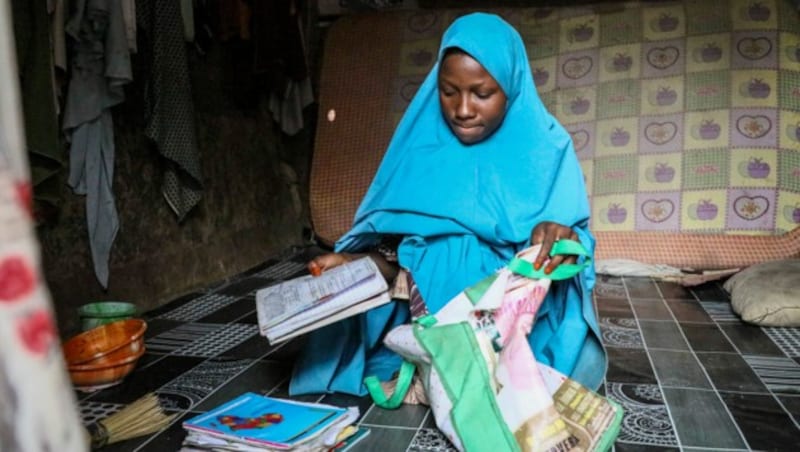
(563, 271)
(475, 292)
(608, 438)
(403, 383)
(461, 367)
(404, 378)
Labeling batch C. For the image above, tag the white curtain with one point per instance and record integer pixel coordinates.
(38, 411)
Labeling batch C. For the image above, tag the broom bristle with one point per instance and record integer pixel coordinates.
(142, 417)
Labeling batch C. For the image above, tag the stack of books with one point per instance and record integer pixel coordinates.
(253, 422)
(309, 302)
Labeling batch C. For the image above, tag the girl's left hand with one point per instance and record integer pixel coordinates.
(548, 233)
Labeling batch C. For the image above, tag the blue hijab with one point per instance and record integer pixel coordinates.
(464, 211)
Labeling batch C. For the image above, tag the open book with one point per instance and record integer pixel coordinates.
(307, 303)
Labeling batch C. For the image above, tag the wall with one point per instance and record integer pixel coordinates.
(254, 180)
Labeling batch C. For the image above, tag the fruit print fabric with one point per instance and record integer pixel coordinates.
(686, 115)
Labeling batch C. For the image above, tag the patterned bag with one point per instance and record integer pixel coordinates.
(485, 388)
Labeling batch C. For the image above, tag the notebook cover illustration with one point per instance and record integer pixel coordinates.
(259, 419)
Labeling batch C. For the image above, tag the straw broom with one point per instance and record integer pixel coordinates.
(140, 418)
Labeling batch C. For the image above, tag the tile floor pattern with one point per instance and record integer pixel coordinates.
(689, 374)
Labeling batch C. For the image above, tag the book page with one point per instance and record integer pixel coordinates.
(358, 293)
(282, 301)
(400, 289)
(281, 334)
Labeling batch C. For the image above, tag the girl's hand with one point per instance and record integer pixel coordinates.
(326, 262)
(546, 233)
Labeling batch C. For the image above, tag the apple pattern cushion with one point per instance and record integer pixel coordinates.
(680, 114)
(767, 294)
(685, 117)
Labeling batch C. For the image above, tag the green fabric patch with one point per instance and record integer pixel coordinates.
(789, 170)
(707, 17)
(475, 414)
(621, 28)
(789, 90)
(616, 174)
(706, 169)
(619, 98)
(541, 40)
(787, 16)
(708, 90)
(475, 292)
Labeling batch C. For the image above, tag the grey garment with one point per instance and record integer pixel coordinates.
(287, 110)
(169, 109)
(100, 67)
(91, 174)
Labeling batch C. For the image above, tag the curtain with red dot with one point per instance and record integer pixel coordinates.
(38, 411)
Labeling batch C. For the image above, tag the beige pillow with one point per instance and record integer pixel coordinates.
(767, 294)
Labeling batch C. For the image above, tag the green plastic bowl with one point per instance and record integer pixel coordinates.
(93, 315)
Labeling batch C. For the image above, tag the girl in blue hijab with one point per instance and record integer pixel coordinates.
(476, 171)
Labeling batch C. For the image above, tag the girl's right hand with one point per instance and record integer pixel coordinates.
(326, 262)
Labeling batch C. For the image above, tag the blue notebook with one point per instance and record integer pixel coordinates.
(262, 420)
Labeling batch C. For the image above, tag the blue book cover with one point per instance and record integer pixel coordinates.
(260, 419)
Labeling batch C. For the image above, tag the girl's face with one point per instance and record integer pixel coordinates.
(473, 103)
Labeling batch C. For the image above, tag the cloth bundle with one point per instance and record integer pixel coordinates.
(485, 388)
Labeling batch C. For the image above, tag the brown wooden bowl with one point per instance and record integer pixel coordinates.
(103, 372)
(116, 340)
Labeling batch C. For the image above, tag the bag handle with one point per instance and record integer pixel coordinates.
(563, 271)
(404, 377)
(403, 384)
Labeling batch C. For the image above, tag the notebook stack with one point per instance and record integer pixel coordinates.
(252, 422)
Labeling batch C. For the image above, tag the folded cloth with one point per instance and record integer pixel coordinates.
(628, 267)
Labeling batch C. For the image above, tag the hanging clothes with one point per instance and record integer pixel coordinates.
(100, 67)
(57, 35)
(279, 47)
(280, 52)
(169, 109)
(32, 29)
(187, 14)
(230, 21)
(233, 19)
(129, 17)
(287, 106)
(266, 44)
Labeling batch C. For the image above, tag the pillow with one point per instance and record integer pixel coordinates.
(767, 294)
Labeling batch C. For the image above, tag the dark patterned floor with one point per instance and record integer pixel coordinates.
(689, 374)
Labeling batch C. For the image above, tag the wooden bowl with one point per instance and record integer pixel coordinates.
(102, 372)
(116, 341)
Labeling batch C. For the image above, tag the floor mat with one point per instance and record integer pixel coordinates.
(690, 375)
